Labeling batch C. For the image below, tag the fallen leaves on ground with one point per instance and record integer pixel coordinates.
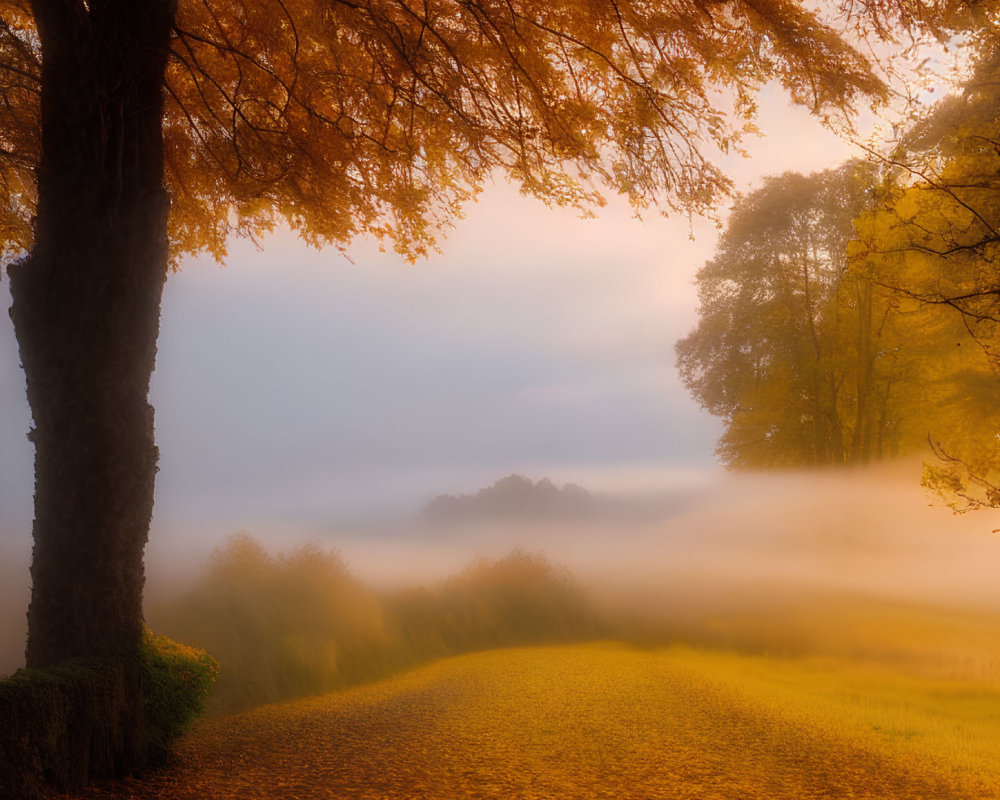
(587, 722)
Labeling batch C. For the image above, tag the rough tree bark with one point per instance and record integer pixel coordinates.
(86, 314)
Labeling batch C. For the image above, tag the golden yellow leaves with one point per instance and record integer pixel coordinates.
(595, 721)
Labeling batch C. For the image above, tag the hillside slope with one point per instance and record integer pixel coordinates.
(602, 721)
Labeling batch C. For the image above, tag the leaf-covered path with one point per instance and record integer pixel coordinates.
(570, 722)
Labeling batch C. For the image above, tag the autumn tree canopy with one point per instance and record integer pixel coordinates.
(805, 348)
(787, 350)
(933, 240)
(383, 117)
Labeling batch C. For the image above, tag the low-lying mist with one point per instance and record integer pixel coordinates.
(839, 563)
(300, 623)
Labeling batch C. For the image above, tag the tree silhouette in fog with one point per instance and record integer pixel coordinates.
(514, 497)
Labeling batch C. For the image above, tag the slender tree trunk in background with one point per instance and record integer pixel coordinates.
(861, 444)
(86, 315)
(811, 364)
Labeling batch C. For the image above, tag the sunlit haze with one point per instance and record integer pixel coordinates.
(305, 397)
(296, 386)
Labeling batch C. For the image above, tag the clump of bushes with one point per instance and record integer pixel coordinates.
(63, 726)
(179, 681)
(281, 626)
(521, 598)
(296, 624)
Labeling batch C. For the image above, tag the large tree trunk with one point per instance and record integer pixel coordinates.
(86, 314)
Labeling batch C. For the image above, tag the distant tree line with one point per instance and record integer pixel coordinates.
(513, 497)
(290, 625)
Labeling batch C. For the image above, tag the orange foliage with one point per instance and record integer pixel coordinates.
(384, 117)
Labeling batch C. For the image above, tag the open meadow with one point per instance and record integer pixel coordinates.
(606, 720)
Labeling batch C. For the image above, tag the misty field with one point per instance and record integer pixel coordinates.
(605, 721)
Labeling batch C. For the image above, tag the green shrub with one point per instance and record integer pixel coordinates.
(179, 680)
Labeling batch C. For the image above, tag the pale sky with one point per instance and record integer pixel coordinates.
(295, 387)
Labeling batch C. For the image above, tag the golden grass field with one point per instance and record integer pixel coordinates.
(606, 721)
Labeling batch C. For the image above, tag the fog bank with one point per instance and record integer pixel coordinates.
(734, 552)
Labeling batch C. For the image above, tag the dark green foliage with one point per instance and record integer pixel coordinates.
(179, 681)
(64, 726)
